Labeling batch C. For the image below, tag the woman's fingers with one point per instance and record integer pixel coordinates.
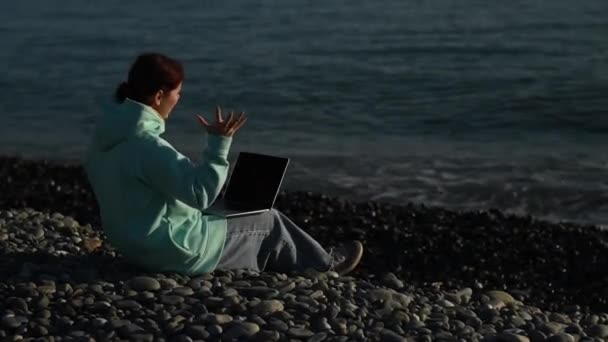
(229, 120)
(238, 123)
(227, 126)
(203, 121)
(218, 114)
(234, 122)
(241, 120)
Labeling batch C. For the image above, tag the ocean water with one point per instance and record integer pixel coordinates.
(465, 104)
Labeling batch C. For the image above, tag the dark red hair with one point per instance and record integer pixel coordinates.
(150, 73)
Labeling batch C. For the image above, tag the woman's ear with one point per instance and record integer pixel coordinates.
(158, 97)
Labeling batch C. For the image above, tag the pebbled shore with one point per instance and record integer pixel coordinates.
(427, 274)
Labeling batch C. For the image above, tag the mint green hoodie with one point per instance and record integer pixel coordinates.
(151, 196)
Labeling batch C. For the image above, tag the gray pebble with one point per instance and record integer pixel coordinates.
(101, 307)
(240, 283)
(341, 339)
(453, 298)
(259, 292)
(278, 325)
(287, 288)
(197, 332)
(574, 328)
(141, 337)
(171, 300)
(229, 292)
(268, 307)
(391, 298)
(129, 329)
(182, 338)
(128, 304)
(525, 316)
(559, 318)
(314, 274)
(561, 337)
(16, 303)
(240, 330)
(391, 336)
(551, 328)
(340, 326)
(257, 320)
(318, 337)
(501, 296)
(537, 336)
(283, 315)
(183, 291)
(298, 306)
(168, 283)
(466, 331)
(317, 294)
(117, 323)
(268, 336)
(299, 332)
(215, 330)
(144, 284)
(40, 330)
(598, 330)
(465, 295)
(390, 280)
(99, 322)
(39, 234)
(219, 319)
(146, 297)
(511, 337)
(44, 314)
(10, 321)
(517, 321)
(401, 316)
(446, 303)
(28, 290)
(96, 288)
(591, 320)
(487, 329)
(321, 324)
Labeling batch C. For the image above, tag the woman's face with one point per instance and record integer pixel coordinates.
(165, 101)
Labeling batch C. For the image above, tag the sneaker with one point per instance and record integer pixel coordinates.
(346, 257)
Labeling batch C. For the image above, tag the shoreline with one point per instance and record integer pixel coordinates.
(416, 251)
(548, 202)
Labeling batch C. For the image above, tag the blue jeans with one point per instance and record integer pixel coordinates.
(270, 241)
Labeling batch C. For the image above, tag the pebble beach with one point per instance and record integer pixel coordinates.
(428, 274)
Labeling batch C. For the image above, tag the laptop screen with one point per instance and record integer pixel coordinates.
(255, 180)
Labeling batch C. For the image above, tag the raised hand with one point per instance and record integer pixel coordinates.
(226, 127)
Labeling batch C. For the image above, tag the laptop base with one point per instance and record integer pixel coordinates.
(220, 209)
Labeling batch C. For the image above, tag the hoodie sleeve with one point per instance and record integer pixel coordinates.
(164, 168)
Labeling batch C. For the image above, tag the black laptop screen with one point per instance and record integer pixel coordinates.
(255, 180)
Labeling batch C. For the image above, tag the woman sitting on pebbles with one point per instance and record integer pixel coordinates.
(151, 196)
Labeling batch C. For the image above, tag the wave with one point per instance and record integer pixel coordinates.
(551, 189)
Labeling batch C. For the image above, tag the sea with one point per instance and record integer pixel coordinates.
(467, 105)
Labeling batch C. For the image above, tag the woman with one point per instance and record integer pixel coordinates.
(151, 196)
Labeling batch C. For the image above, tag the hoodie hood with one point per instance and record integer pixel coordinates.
(119, 121)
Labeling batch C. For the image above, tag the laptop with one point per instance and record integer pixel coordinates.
(253, 185)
